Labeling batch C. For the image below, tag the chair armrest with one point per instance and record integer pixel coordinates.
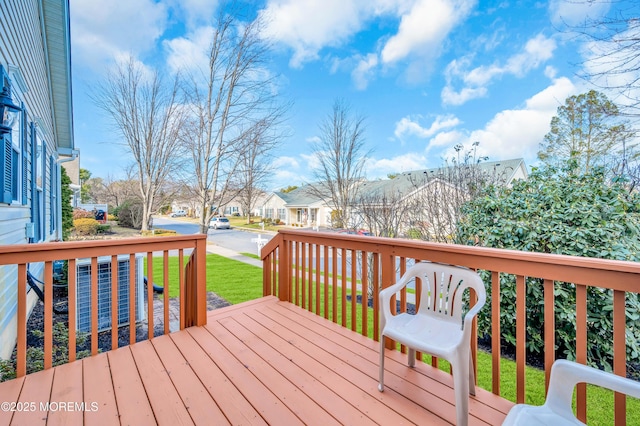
(384, 297)
(565, 375)
(468, 318)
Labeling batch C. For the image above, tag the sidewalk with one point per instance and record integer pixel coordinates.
(212, 248)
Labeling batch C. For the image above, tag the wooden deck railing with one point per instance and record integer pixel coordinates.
(302, 267)
(191, 281)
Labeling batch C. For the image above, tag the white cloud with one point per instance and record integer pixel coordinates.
(380, 168)
(363, 72)
(572, 12)
(194, 13)
(189, 53)
(513, 133)
(306, 26)
(535, 52)
(286, 162)
(424, 27)
(411, 127)
(101, 32)
(451, 97)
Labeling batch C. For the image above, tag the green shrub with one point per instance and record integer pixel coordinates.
(157, 232)
(86, 226)
(562, 212)
(35, 355)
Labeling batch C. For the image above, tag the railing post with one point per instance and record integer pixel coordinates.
(201, 282)
(284, 269)
(196, 286)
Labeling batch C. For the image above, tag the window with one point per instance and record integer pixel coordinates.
(282, 214)
(12, 178)
(268, 213)
(52, 195)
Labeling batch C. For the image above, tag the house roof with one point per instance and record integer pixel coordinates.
(304, 196)
(405, 183)
(55, 26)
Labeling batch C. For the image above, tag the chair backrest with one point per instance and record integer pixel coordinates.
(443, 287)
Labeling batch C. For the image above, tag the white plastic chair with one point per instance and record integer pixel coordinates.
(556, 410)
(438, 327)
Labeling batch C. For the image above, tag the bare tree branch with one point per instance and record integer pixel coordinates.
(341, 158)
(149, 117)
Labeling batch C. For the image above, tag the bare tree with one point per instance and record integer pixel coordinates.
(232, 99)
(255, 166)
(148, 115)
(341, 156)
(382, 210)
(613, 63)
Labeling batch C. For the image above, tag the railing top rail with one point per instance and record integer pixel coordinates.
(583, 270)
(26, 253)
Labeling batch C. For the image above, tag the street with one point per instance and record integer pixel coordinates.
(233, 239)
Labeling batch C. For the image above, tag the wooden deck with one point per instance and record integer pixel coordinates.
(260, 362)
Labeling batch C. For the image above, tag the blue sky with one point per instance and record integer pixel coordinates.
(426, 74)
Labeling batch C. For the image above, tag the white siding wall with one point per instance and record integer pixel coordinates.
(22, 54)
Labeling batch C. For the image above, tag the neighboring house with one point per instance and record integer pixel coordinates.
(427, 201)
(302, 207)
(35, 67)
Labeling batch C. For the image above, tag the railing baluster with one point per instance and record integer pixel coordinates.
(318, 279)
(303, 270)
(403, 295)
(71, 291)
(581, 349)
(21, 362)
(48, 314)
(150, 294)
(94, 305)
(376, 302)
(354, 292)
(326, 282)
(388, 277)
(365, 293)
(114, 301)
(310, 277)
(334, 282)
(521, 336)
(619, 353)
(495, 332)
(343, 289)
(182, 290)
(549, 331)
(296, 260)
(132, 299)
(165, 290)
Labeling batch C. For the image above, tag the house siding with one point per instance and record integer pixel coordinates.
(24, 57)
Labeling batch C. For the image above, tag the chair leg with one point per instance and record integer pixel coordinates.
(472, 378)
(412, 357)
(461, 389)
(381, 383)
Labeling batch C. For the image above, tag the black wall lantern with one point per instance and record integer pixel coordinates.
(9, 111)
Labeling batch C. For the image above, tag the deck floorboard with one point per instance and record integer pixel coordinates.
(262, 362)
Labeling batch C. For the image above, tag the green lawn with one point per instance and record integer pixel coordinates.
(234, 281)
(237, 282)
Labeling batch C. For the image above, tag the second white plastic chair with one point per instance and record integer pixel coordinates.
(438, 327)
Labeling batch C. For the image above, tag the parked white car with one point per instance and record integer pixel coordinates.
(179, 213)
(219, 223)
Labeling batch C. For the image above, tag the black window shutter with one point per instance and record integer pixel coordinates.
(5, 175)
